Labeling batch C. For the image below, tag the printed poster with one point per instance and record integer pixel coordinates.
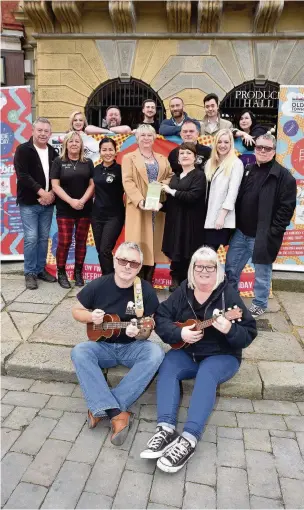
(125, 144)
(290, 154)
(16, 128)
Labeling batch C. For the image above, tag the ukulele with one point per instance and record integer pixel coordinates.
(112, 325)
(231, 315)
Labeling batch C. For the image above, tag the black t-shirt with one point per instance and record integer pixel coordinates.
(203, 154)
(247, 210)
(103, 293)
(108, 191)
(154, 124)
(74, 180)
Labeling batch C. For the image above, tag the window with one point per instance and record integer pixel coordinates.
(128, 97)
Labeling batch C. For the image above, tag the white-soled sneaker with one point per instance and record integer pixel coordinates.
(177, 456)
(159, 443)
(256, 311)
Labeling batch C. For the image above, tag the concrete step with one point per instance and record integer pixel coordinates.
(281, 280)
(256, 379)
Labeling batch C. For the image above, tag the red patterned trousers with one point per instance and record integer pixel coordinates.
(65, 235)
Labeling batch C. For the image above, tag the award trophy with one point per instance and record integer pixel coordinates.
(153, 196)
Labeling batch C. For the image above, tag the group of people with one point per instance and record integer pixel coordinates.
(207, 200)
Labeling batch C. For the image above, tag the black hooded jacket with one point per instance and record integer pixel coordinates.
(179, 307)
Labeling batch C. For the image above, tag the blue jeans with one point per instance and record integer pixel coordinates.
(142, 357)
(36, 221)
(210, 372)
(239, 252)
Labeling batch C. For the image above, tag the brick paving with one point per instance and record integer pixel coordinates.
(250, 455)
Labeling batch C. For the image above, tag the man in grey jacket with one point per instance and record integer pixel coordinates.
(212, 122)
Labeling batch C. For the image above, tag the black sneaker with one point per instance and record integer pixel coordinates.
(159, 443)
(177, 456)
(46, 277)
(256, 311)
(31, 281)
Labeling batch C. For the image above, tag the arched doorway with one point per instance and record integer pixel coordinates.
(128, 96)
(261, 97)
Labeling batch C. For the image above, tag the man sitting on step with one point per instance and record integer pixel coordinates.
(124, 294)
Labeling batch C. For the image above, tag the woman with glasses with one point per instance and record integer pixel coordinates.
(72, 183)
(211, 356)
(185, 213)
(108, 215)
(144, 226)
(224, 172)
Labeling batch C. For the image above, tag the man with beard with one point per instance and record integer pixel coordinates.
(149, 113)
(111, 124)
(171, 127)
(190, 133)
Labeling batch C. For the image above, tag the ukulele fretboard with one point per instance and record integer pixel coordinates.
(111, 325)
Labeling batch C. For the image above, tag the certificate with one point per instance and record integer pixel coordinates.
(153, 196)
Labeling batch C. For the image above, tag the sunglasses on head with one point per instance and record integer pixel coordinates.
(259, 148)
(125, 262)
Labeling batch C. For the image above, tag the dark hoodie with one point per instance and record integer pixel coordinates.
(180, 306)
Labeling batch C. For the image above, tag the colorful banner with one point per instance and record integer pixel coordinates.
(16, 128)
(125, 144)
(290, 154)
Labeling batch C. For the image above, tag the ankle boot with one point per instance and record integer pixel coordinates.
(78, 276)
(174, 284)
(62, 278)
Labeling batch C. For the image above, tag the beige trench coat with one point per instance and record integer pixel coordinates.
(138, 225)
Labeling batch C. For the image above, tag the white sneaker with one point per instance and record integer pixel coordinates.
(256, 311)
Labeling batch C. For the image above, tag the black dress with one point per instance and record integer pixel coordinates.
(185, 218)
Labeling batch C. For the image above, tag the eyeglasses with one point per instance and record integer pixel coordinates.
(125, 262)
(209, 269)
(259, 148)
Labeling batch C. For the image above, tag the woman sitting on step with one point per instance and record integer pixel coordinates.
(211, 355)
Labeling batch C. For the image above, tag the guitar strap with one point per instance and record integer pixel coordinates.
(138, 298)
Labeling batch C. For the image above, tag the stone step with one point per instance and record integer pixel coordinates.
(277, 380)
(281, 280)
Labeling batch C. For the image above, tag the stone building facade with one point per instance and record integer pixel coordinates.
(184, 48)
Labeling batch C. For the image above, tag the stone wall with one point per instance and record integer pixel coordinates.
(68, 71)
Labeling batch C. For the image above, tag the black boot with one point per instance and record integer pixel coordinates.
(149, 272)
(62, 278)
(78, 276)
(174, 284)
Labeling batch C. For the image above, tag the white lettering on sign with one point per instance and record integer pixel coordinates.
(257, 98)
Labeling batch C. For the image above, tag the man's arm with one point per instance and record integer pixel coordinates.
(121, 130)
(287, 203)
(168, 129)
(95, 130)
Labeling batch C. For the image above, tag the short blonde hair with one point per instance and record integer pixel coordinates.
(145, 128)
(64, 151)
(72, 118)
(208, 255)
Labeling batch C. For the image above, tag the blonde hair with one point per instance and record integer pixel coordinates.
(213, 163)
(72, 118)
(64, 151)
(208, 255)
(145, 128)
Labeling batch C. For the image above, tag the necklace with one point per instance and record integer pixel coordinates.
(148, 157)
(74, 165)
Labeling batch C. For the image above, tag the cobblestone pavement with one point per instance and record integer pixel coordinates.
(250, 455)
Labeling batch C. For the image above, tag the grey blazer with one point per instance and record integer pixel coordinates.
(223, 194)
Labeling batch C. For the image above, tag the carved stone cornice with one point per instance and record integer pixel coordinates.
(40, 15)
(267, 15)
(68, 14)
(179, 16)
(209, 14)
(123, 15)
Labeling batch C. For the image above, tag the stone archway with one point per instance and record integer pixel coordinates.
(128, 96)
(258, 96)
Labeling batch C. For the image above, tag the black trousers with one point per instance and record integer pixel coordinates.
(146, 273)
(106, 232)
(179, 270)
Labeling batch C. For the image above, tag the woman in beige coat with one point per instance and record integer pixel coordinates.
(142, 226)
